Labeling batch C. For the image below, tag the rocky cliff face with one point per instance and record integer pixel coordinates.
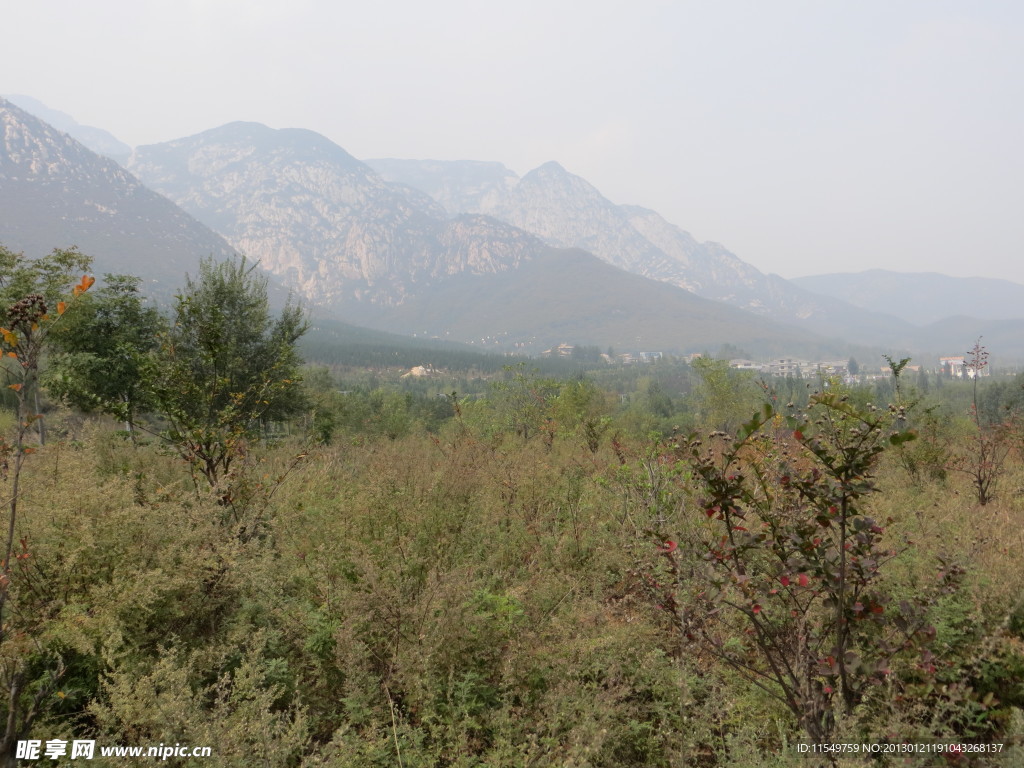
(326, 223)
(393, 257)
(54, 192)
(99, 141)
(567, 211)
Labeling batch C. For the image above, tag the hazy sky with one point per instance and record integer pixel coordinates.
(806, 136)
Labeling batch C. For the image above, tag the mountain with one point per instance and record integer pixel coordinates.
(922, 297)
(398, 255)
(54, 192)
(567, 211)
(390, 256)
(320, 219)
(99, 141)
(561, 294)
(1004, 339)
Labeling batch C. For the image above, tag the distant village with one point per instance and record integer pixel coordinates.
(850, 371)
(953, 366)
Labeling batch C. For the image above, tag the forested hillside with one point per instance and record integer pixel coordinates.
(211, 541)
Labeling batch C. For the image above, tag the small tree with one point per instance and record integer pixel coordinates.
(923, 382)
(721, 393)
(102, 352)
(50, 278)
(580, 407)
(791, 594)
(897, 367)
(226, 368)
(523, 401)
(983, 457)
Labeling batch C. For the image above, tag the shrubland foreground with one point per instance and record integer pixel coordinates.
(549, 572)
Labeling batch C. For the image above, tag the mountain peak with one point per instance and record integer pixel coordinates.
(298, 143)
(566, 211)
(99, 141)
(55, 192)
(551, 166)
(324, 221)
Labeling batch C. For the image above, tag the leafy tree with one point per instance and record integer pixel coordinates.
(732, 352)
(50, 276)
(49, 279)
(658, 400)
(226, 368)
(580, 407)
(722, 393)
(853, 366)
(523, 401)
(792, 595)
(103, 351)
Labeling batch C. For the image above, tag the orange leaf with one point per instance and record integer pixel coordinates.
(61, 306)
(15, 387)
(12, 354)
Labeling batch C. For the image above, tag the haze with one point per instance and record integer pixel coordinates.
(807, 137)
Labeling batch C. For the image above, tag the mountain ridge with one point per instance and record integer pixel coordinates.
(55, 192)
(567, 211)
(98, 140)
(922, 298)
(385, 254)
(342, 234)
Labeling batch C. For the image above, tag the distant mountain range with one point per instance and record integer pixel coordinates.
(570, 294)
(392, 257)
(568, 212)
(456, 250)
(922, 298)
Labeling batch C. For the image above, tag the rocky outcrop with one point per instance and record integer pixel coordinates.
(326, 223)
(55, 193)
(566, 211)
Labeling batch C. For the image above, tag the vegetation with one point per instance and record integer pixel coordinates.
(225, 369)
(329, 565)
(100, 355)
